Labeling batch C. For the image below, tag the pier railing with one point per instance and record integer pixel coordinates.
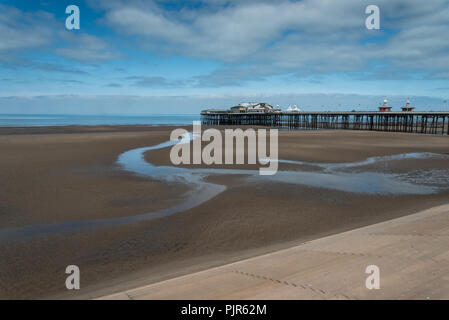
(413, 122)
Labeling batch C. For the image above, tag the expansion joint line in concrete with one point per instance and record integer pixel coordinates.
(292, 284)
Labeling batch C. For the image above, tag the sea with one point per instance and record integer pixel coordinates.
(45, 120)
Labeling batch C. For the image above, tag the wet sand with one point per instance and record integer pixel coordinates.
(52, 175)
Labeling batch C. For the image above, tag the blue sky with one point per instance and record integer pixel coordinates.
(182, 56)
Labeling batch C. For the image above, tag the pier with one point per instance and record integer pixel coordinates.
(431, 122)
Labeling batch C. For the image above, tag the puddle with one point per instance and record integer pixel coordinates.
(367, 161)
(332, 176)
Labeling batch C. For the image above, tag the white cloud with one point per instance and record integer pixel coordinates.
(322, 36)
(231, 33)
(86, 48)
(251, 39)
(19, 30)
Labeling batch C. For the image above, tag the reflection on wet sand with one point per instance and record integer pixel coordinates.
(332, 176)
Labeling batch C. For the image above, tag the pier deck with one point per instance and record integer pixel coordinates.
(431, 122)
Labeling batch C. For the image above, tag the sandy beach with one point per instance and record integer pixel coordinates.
(53, 175)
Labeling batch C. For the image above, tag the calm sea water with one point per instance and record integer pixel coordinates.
(42, 120)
